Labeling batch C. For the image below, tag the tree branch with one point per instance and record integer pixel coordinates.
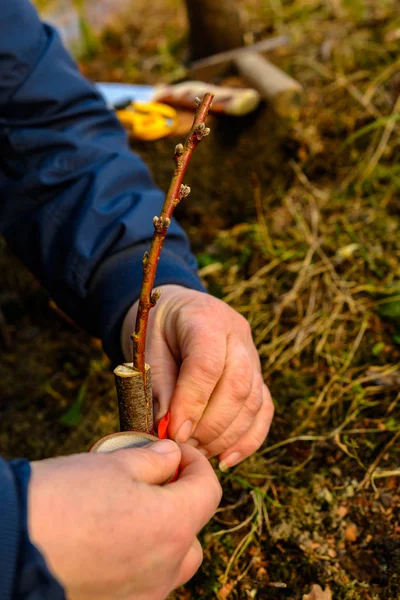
(177, 191)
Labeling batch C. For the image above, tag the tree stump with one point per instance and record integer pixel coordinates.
(214, 27)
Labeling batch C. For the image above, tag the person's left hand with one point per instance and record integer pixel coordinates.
(206, 369)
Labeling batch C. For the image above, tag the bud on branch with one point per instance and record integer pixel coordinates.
(177, 191)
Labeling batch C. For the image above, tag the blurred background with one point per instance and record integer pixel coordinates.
(309, 255)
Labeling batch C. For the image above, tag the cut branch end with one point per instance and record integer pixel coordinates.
(177, 191)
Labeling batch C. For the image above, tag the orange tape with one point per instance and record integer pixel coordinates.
(163, 426)
(163, 435)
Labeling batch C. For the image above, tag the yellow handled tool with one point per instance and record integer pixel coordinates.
(148, 120)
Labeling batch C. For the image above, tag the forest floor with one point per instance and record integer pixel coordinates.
(315, 269)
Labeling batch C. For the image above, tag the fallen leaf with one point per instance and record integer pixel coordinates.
(317, 593)
(73, 416)
(350, 532)
(261, 573)
(225, 591)
(347, 252)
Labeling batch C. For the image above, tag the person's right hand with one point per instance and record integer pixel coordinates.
(107, 526)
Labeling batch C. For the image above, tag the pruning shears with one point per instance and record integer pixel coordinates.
(146, 120)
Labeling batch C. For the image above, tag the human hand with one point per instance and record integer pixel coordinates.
(205, 367)
(109, 529)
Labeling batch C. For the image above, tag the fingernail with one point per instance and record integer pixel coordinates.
(203, 451)
(184, 432)
(193, 442)
(229, 461)
(164, 447)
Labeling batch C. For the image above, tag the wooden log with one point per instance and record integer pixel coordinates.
(207, 69)
(214, 27)
(135, 406)
(284, 93)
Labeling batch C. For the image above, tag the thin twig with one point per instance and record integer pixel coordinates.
(176, 192)
(368, 475)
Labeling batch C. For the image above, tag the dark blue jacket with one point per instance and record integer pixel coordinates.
(76, 206)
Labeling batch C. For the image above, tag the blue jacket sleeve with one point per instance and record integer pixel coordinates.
(76, 205)
(23, 572)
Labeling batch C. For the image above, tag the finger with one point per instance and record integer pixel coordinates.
(190, 563)
(164, 374)
(243, 422)
(197, 492)
(230, 394)
(203, 352)
(153, 464)
(253, 439)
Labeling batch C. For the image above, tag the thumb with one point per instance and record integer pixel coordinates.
(164, 373)
(153, 464)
